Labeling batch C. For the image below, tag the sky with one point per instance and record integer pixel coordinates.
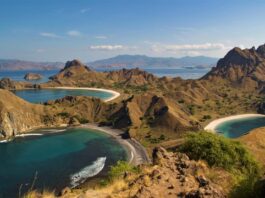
(61, 30)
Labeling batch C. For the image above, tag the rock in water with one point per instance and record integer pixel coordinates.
(32, 76)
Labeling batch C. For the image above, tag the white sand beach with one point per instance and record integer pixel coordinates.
(212, 125)
(115, 94)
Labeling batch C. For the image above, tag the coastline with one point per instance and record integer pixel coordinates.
(137, 152)
(212, 125)
(115, 94)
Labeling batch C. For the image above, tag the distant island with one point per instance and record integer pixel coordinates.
(117, 62)
(15, 65)
(142, 61)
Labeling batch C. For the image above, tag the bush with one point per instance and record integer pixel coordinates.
(181, 101)
(206, 117)
(120, 168)
(222, 152)
(219, 151)
(64, 114)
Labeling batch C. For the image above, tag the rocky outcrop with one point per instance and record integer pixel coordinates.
(135, 77)
(172, 175)
(243, 68)
(7, 83)
(76, 73)
(17, 115)
(151, 111)
(32, 76)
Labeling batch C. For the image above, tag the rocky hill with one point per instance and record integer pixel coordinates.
(132, 115)
(76, 73)
(242, 68)
(17, 115)
(189, 102)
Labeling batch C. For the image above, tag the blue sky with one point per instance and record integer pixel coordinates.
(60, 30)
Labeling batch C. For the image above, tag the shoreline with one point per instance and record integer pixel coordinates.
(213, 124)
(115, 94)
(137, 152)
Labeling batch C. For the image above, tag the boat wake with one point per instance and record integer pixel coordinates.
(89, 171)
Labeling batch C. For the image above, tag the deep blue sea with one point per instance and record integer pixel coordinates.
(239, 127)
(55, 160)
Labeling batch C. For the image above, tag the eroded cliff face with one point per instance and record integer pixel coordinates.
(17, 115)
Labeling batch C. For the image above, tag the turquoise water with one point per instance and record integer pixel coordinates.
(43, 95)
(54, 158)
(239, 127)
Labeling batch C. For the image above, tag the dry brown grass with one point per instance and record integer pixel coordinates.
(35, 194)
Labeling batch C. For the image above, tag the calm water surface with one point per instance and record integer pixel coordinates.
(19, 75)
(43, 95)
(239, 127)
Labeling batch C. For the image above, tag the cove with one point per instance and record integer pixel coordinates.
(43, 95)
(238, 127)
(56, 160)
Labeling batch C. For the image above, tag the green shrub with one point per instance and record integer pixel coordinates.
(231, 155)
(120, 168)
(162, 137)
(219, 151)
(206, 117)
(83, 120)
(181, 101)
(64, 114)
(191, 109)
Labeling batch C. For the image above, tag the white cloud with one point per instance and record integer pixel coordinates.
(108, 47)
(49, 35)
(74, 33)
(40, 50)
(189, 48)
(101, 37)
(206, 46)
(83, 11)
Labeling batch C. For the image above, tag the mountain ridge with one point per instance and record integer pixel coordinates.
(147, 61)
(16, 64)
